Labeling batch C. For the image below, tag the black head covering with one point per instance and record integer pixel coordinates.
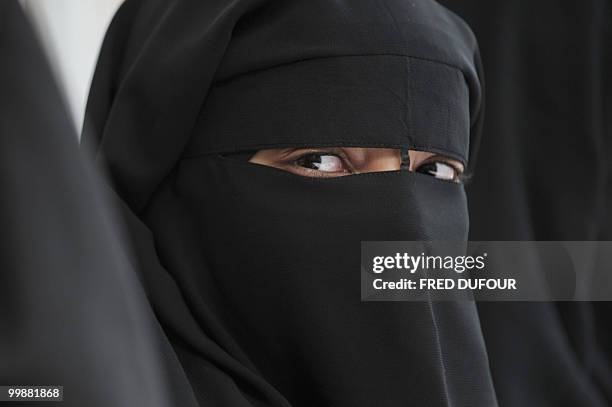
(254, 273)
(168, 69)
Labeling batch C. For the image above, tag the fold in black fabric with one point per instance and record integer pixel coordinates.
(253, 272)
(545, 173)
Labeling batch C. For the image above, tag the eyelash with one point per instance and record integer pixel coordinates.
(458, 177)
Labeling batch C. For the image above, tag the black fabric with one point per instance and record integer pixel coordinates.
(294, 310)
(175, 61)
(253, 272)
(72, 312)
(544, 174)
(322, 102)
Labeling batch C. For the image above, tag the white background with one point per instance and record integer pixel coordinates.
(71, 32)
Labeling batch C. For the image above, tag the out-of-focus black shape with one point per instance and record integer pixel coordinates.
(544, 173)
(72, 312)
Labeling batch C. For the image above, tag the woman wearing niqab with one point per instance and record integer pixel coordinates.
(253, 271)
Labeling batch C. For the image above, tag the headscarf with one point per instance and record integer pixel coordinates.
(254, 272)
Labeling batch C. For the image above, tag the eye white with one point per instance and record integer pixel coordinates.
(444, 171)
(439, 169)
(329, 163)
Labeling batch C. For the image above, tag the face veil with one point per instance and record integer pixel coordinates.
(254, 272)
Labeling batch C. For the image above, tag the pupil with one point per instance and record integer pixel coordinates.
(429, 169)
(312, 161)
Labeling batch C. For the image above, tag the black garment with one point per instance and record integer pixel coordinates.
(72, 313)
(254, 273)
(545, 173)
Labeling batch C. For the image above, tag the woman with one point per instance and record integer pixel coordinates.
(226, 126)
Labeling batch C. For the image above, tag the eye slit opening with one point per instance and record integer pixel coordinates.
(342, 161)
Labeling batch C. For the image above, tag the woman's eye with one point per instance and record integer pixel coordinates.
(440, 170)
(321, 162)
